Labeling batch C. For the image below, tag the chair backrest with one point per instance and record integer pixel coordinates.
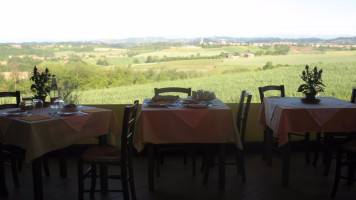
(353, 96)
(187, 91)
(128, 129)
(278, 88)
(5, 105)
(242, 113)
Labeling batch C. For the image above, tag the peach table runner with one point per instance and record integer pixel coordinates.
(33, 118)
(289, 114)
(177, 124)
(50, 132)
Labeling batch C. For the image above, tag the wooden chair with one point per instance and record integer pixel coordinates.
(281, 93)
(241, 122)
(111, 155)
(164, 148)
(15, 154)
(187, 91)
(350, 149)
(353, 96)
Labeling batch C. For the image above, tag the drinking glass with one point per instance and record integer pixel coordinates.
(38, 103)
(58, 103)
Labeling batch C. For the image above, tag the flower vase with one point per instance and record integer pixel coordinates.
(310, 97)
(43, 98)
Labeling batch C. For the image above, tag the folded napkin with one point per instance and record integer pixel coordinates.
(35, 118)
(192, 117)
(93, 110)
(77, 122)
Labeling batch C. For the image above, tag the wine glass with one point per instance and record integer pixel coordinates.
(59, 103)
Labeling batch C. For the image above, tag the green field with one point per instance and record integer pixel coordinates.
(294, 59)
(198, 64)
(226, 77)
(339, 79)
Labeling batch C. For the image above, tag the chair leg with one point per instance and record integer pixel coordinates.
(307, 148)
(93, 180)
(45, 166)
(327, 154)
(20, 161)
(185, 159)
(63, 162)
(159, 160)
(193, 161)
(80, 180)
(3, 189)
(131, 181)
(351, 170)
(337, 173)
(319, 146)
(15, 176)
(160, 154)
(203, 163)
(243, 171)
(264, 146)
(237, 159)
(207, 165)
(125, 187)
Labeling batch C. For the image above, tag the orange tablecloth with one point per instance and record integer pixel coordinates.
(44, 135)
(177, 124)
(289, 114)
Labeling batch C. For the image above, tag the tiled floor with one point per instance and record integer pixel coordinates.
(177, 183)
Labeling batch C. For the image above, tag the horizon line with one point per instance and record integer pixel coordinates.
(178, 38)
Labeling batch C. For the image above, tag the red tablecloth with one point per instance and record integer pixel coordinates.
(177, 124)
(289, 114)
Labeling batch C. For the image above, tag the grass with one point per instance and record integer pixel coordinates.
(180, 54)
(199, 64)
(294, 59)
(227, 77)
(339, 79)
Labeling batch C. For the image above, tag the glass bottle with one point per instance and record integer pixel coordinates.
(54, 92)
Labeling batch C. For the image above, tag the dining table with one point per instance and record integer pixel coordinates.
(283, 115)
(180, 123)
(44, 130)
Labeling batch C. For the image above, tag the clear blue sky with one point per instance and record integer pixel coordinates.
(68, 20)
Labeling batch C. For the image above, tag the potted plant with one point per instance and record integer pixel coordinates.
(41, 83)
(313, 83)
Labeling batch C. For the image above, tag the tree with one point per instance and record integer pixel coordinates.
(136, 61)
(149, 59)
(102, 62)
(268, 65)
(15, 72)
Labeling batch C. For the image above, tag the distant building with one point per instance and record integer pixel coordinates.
(3, 62)
(38, 58)
(16, 46)
(232, 56)
(20, 75)
(248, 55)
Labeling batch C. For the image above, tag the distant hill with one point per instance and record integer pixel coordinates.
(273, 39)
(124, 42)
